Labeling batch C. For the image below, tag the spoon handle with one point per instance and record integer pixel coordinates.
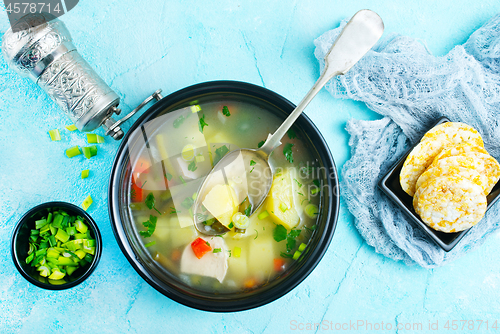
(358, 36)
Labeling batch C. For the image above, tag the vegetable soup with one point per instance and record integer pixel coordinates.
(177, 151)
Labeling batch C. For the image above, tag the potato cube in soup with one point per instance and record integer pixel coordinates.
(162, 228)
(238, 266)
(280, 203)
(180, 236)
(261, 257)
(222, 203)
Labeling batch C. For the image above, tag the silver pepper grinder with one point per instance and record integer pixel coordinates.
(40, 47)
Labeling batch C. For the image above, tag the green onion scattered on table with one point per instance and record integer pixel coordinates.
(55, 135)
(71, 127)
(85, 173)
(73, 151)
(93, 138)
(90, 151)
(56, 250)
(87, 203)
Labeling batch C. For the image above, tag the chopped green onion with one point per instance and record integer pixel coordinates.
(209, 222)
(283, 207)
(314, 191)
(88, 258)
(85, 173)
(230, 226)
(311, 210)
(52, 241)
(263, 214)
(195, 109)
(93, 138)
(86, 152)
(62, 235)
(296, 255)
(40, 223)
(87, 203)
(73, 152)
(88, 242)
(241, 221)
(81, 227)
(71, 127)
(149, 244)
(57, 221)
(225, 111)
(90, 151)
(30, 258)
(56, 275)
(71, 270)
(217, 250)
(44, 270)
(55, 135)
(302, 247)
(89, 250)
(237, 252)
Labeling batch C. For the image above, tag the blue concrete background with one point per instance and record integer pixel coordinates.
(138, 47)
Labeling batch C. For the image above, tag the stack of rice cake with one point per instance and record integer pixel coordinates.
(449, 174)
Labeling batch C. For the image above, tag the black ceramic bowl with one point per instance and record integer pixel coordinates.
(20, 245)
(168, 284)
(392, 187)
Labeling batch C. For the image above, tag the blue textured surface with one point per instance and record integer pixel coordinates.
(138, 48)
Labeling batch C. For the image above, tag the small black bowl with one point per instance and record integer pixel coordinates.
(392, 187)
(20, 244)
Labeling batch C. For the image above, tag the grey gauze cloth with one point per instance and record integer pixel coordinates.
(402, 81)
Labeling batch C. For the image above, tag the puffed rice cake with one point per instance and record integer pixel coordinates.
(460, 149)
(450, 203)
(452, 169)
(440, 137)
(484, 164)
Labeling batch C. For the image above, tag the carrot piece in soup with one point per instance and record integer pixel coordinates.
(200, 247)
(136, 193)
(249, 283)
(279, 264)
(176, 255)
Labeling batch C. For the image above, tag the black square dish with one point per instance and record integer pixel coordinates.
(391, 186)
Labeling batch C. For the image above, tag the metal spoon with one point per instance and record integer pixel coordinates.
(358, 36)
